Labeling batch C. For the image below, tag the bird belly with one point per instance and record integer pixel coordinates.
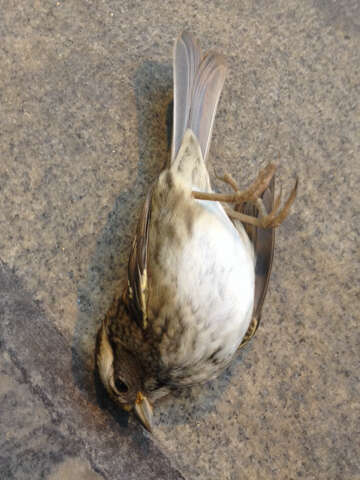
(211, 304)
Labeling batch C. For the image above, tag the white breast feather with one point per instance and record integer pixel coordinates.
(216, 273)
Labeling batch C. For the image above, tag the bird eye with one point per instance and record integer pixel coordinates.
(120, 386)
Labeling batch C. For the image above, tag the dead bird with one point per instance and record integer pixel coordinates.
(192, 296)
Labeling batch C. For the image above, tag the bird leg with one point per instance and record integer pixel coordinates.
(265, 219)
(254, 191)
(253, 195)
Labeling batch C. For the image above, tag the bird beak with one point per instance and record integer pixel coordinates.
(144, 411)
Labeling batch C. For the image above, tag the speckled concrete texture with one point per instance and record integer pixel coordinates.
(84, 92)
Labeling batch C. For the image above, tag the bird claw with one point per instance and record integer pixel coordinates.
(229, 179)
(276, 216)
(253, 196)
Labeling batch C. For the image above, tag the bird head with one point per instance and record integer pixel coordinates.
(120, 374)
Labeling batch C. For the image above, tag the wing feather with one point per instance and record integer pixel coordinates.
(264, 244)
(136, 295)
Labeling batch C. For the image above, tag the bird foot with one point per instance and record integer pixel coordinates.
(253, 195)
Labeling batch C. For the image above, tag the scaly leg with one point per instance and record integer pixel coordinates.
(253, 195)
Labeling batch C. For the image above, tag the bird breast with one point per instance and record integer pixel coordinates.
(201, 284)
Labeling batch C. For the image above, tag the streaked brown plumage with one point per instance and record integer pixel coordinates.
(192, 296)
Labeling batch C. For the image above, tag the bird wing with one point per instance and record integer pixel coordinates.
(136, 295)
(198, 82)
(264, 243)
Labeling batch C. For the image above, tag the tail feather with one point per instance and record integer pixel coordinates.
(186, 61)
(198, 82)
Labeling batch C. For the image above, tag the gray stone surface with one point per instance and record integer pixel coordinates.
(84, 94)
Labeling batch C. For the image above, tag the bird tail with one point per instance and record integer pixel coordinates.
(198, 82)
